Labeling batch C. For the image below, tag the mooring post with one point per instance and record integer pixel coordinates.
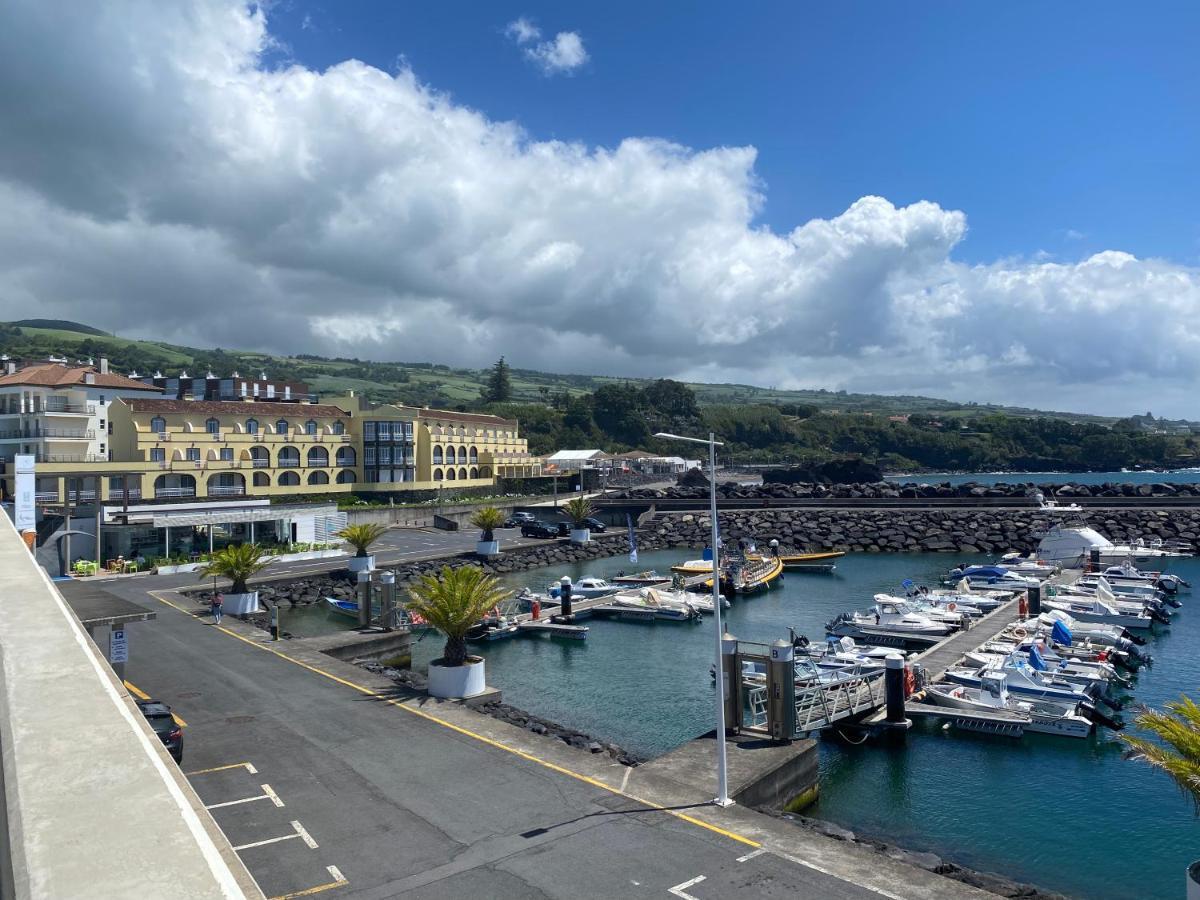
(1094, 559)
(893, 688)
(387, 578)
(564, 597)
(1035, 601)
(781, 691)
(731, 682)
(364, 599)
(274, 621)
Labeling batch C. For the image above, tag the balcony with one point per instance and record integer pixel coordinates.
(258, 463)
(81, 496)
(172, 492)
(45, 496)
(54, 434)
(71, 409)
(118, 494)
(226, 490)
(69, 458)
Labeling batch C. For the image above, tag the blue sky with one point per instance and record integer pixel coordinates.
(1065, 128)
(990, 202)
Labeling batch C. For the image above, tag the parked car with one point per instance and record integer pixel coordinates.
(539, 530)
(162, 720)
(564, 528)
(594, 525)
(517, 519)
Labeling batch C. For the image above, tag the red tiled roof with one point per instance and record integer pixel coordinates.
(463, 417)
(238, 408)
(58, 375)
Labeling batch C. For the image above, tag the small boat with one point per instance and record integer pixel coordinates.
(349, 608)
(1026, 564)
(693, 567)
(756, 574)
(1024, 680)
(585, 588)
(1045, 716)
(640, 579)
(1093, 609)
(892, 614)
(955, 617)
(492, 630)
(817, 561)
(344, 607)
(1072, 546)
(663, 604)
(994, 576)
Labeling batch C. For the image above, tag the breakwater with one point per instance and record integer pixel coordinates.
(887, 490)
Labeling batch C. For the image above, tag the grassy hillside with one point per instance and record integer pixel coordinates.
(429, 383)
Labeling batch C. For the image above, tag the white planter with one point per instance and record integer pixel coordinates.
(580, 536)
(308, 554)
(241, 604)
(456, 682)
(487, 548)
(175, 570)
(361, 563)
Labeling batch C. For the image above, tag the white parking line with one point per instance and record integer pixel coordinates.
(267, 794)
(800, 862)
(753, 853)
(680, 890)
(300, 833)
(335, 873)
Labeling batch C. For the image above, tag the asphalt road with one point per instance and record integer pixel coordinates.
(320, 788)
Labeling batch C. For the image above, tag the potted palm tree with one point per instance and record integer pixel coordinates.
(1177, 752)
(238, 563)
(487, 520)
(579, 510)
(452, 601)
(361, 537)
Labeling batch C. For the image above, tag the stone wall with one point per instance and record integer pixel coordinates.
(910, 490)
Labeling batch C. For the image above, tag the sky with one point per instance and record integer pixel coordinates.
(989, 202)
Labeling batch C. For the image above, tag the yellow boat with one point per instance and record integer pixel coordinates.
(810, 559)
(758, 575)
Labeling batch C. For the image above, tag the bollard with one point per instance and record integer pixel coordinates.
(731, 682)
(1035, 601)
(564, 597)
(893, 687)
(781, 692)
(275, 621)
(387, 578)
(1094, 559)
(364, 599)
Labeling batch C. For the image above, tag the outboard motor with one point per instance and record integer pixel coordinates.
(1097, 717)
(1130, 636)
(1157, 615)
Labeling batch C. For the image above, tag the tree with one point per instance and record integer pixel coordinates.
(361, 537)
(578, 510)
(1178, 754)
(452, 601)
(487, 519)
(499, 384)
(237, 563)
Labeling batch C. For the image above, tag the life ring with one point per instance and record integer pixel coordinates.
(952, 606)
(1020, 633)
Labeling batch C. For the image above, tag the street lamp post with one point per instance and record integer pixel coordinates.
(722, 769)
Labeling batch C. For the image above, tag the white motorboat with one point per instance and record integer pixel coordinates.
(951, 616)
(701, 602)
(1027, 565)
(893, 614)
(664, 604)
(585, 588)
(1071, 546)
(1093, 609)
(1024, 680)
(1088, 675)
(994, 577)
(1045, 716)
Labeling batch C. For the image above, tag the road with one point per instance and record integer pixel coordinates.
(322, 787)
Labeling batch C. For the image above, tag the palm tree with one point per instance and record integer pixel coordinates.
(487, 520)
(362, 536)
(452, 601)
(237, 563)
(1177, 750)
(578, 510)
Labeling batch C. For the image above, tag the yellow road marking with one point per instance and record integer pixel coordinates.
(249, 767)
(578, 776)
(339, 881)
(142, 695)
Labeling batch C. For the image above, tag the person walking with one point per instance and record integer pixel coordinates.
(215, 605)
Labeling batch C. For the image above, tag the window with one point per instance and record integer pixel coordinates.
(193, 454)
(384, 430)
(227, 454)
(462, 474)
(346, 456)
(289, 479)
(289, 456)
(252, 426)
(281, 427)
(385, 456)
(450, 475)
(310, 427)
(437, 474)
(368, 431)
(212, 426)
(368, 456)
(462, 454)
(318, 477)
(346, 476)
(262, 479)
(158, 454)
(158, 424)
(339, 427)
(437, 454)
(474, 455)
(318, 456)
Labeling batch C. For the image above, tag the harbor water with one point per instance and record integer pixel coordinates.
(1178, 476)
(1067, 815)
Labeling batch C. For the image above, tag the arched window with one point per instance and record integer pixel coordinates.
(318, 456)
(212, 426)
(252, 426)
(260, 457)
(346, 456)
(450, 475)
(262, 479)
(174, 486)
(289, 456)
(346, 476)
(462, 454)
(474, 473)
(437, 474)
(474, 455)
(289, 479)
(339, 427)
(281, 427)
(318, 477)
(437, 454)
(158, 424)
(310, 427)
(462, 474)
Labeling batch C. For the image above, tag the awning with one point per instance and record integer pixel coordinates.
(231, 515)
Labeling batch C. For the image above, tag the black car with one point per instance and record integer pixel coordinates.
(161, 719)
(539, 530)
(516, 520)
(595, 526)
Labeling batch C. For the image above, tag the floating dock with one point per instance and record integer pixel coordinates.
(554, 629)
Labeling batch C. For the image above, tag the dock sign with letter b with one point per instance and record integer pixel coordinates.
(118, 646)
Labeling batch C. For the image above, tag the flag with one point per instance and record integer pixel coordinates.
(632, 539)
(1061, 633)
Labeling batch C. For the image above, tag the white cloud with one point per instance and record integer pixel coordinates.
(172, 187)
(523, 31)
(563, 54)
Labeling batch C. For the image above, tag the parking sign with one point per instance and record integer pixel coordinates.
(118, 646)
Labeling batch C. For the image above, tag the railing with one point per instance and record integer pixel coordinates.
(226, 490)
(70, 458)
(73, 408)
(53, 433)
(167, 492)
(81, 496)
(821, 704)
(119, 494)
(289, 463)
(258, 463)
(45, 496)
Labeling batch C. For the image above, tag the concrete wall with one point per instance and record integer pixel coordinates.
(93, 805)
